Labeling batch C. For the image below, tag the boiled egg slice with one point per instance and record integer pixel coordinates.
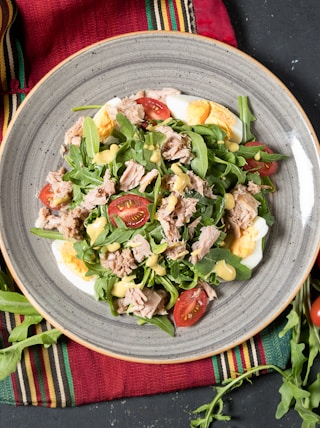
(249, 245)
(103, 121)
(71, 267)
(195, 111)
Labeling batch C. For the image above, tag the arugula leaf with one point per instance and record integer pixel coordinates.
(91, 136)
(44, 233)
(247, 117)
(161, 321)
(20, 332)
(10, 356)
(16, 303)
(199, 163)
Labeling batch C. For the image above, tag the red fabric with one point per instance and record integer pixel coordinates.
(52, 31)
(213, 21)
(130, 378)
(55, 29)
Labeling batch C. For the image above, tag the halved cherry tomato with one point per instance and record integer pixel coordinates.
(263, 168)
(46, 197)
(132, 209)
(154, 109)
(190, 307)
(315, 312)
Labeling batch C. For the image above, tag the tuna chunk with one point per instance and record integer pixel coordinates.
(211, 293)
(47, 220)
(244, 211)
(120, 262)
(176, 146)
(141, 248)
(171, 220)
(101, 194)
(176, 251)
(129, 108)
(62, 190)
(72, 223)
(132, 175)
(199, 185)
(144, 303)
(74, 134)
(208, 236)
(147, 179)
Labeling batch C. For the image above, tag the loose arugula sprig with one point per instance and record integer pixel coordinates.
(298, 390)
(14, 302)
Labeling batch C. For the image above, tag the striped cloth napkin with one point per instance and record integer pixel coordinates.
(35, 35)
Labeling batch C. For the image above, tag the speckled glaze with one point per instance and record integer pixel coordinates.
(119, 67)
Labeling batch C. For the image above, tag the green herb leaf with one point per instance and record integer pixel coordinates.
(10, 356)
(43, 233)
(91, 136)
(161, 321)
(247, 117)
(16, 303)
(20, 332)
(200, 163)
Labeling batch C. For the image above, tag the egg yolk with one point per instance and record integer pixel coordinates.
(69, 256)
(104, 123)
(197, 112)
(246, 243)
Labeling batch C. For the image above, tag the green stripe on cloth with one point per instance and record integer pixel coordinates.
(71, 396)
(6, 387)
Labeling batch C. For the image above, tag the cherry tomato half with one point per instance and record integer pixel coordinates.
(315, 312)
(263, 168)
(46, 197)
(132, 209)
(154, 109)
(190, 307)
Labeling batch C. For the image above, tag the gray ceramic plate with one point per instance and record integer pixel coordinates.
(198, 66)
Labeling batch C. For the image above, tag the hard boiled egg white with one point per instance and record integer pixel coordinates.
(195, 111)
(71, 267)
(249, 245)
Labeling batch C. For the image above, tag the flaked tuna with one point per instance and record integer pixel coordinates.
(74, 134)
(244, 212)
(140, 247)
(172, 219)
(101, 194)
(131, 176)
(208, 236)
(199, 185)
(145, 303)
(62, 190)
(176, 146)
(72, 223)
(148, 179)
(121, 262)
(129, 108)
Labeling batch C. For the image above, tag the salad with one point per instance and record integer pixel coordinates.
(162, 197)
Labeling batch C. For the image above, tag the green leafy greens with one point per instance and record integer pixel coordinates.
(211, 161)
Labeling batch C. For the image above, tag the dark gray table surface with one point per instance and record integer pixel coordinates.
(284, 36)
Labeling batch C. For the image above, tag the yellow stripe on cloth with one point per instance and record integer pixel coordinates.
(180, 16)
(246, 355)
(48, 372)
(163, 6)
(232, 368)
